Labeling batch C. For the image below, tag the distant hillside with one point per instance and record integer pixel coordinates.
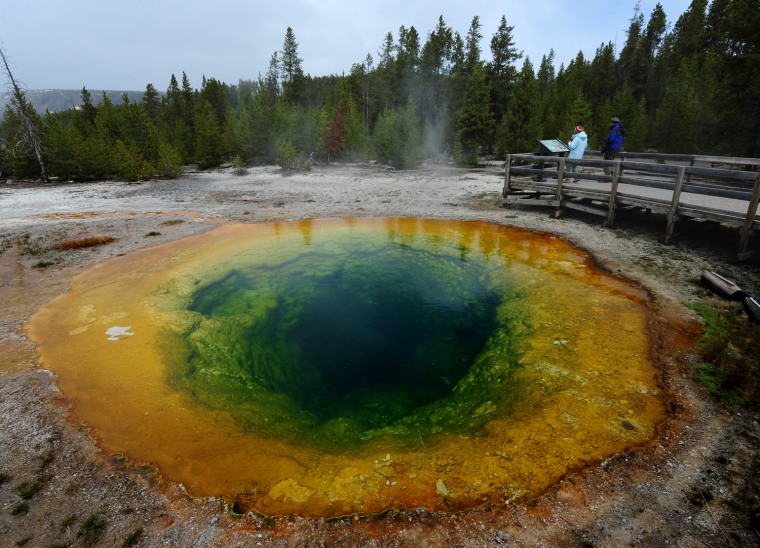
(56, 100)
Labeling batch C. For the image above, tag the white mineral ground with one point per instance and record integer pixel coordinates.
(696, 484)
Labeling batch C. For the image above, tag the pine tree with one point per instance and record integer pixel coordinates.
(272, 77)
(260, 125)
(138, 130)
(687, 41)
(151, 101)
(567, 103)
(520, 126)
(579, 112)
(601, 75)
(677, 124)
(436, 65)
(169, 161)
(19, 157)
(472, 44)
(234, 140)
(208, 136)
(456, 83)
(245, 129)
(292, 73)
(385, 81)
(736, 50)
(333, 140)
(397, 137)
(290, 62)
(550, 125)
(643, 70)
(88, 109)
(107, 122)
(357, 137)
(84, 117)
(410, 153)
(359, 83)
(187, 101)
(174, 121)
(407, 65)
(471, 98)
(475, 121)
(61, 157)
(173, 99)
(630, 56)
(689, 33)
(626, 107)
(436, 58)
(216, 94)
(637, 136)
(501, 71)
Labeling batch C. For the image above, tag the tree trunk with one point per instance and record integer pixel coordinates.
(19, 101)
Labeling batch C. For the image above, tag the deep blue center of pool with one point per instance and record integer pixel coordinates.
(357, 341)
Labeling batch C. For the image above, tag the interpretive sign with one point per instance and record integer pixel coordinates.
(554, 146)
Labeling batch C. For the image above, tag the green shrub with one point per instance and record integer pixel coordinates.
(92, 529)
(238, 164)
(289, 159)
(126, 162)
(169, 161)
(730, 367)
(397, 138)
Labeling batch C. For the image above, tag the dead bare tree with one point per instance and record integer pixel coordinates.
(23, 107)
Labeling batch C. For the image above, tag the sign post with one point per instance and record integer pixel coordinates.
(550, 147)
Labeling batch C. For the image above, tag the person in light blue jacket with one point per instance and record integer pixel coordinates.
(577, 144)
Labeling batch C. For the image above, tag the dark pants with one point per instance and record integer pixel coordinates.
(610, 154)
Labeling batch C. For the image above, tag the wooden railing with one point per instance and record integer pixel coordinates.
(679, 186)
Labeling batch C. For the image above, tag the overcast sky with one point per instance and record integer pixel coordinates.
(126, 44)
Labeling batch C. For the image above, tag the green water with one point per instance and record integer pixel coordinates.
(340, 340)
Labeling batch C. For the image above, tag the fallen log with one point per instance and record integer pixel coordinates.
(752, 307)
(721, 286)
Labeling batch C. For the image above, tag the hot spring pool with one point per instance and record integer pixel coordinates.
(348, 366)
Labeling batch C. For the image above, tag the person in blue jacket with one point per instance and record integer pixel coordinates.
(613, 142)
(577, 144)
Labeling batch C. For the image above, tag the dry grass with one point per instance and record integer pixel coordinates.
(89, 241)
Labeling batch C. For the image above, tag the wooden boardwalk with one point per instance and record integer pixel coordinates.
(706, 188)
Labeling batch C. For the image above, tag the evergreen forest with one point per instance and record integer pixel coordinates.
(689, 86)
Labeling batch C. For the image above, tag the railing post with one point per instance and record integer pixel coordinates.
(691, 164)
(613, 195)
(749, 219)
(507, 164)
(673, 213)
(560, 180)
